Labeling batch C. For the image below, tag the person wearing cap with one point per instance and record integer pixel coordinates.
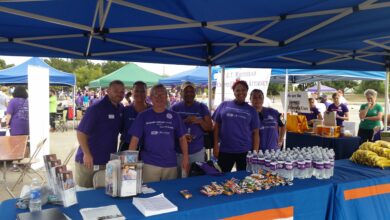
(98, 133)
(197, 120)
(236, 129)
(131, 111)
(324, 99)
(159, 128)
(272, 129)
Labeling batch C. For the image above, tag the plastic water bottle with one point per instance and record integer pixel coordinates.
(35, 203)
(280, 166)
(320, 168)
(267, 162)
(301, 165)
(273, 165)
(288, 169)
(261, 160)
(331, 167)
(308, 166)
(254, 162)
(248, 161)
(327, 168)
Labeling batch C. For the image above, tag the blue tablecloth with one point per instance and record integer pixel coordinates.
(354, 178)
(309, 198)
(343, 146)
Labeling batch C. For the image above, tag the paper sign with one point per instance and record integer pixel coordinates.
(297, 102)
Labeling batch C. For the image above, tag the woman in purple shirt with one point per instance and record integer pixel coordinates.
(17, 112)
(236, 129)
(340, 109)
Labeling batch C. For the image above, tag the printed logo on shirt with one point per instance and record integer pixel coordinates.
(154, 132)
(111, 116)
(169, 115)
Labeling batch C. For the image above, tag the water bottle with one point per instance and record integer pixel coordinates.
(261, 160)
(331, 166)
(35, 203)
(327, 167)
(273, 165)
(254, 163)
(267, 162)
(320, 168)
(248, 161)
(301, 165)
(288, 169)
(280, 166)
(308, 166)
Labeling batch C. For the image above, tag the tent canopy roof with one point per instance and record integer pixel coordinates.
(198, 76)
(128, 74)
(323, 88)
(18, 74)
(305, 34)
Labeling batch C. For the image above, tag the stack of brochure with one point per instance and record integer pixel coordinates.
(154, 205)
(124, 174)
(60, 180)
(105, 212)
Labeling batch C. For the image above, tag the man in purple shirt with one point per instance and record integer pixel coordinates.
(236, 128)
(98, 133)
(159, 128)
(314, 113)
(197, 120)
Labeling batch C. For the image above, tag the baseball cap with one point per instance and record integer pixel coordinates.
(323, 96)
(186, 84)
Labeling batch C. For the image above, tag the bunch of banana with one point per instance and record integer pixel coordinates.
(377, 148)
(383, 144)
(370, 158)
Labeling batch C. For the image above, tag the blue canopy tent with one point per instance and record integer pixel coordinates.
(322, 88)
(305, 34)
(198, 76)
(18, 74)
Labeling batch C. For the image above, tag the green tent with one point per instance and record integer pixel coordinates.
(128, 75)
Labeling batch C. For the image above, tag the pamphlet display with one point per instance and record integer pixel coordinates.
(124, 174)
(61, 180)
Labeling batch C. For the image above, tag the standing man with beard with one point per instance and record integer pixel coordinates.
(197, 120)
(98, 133)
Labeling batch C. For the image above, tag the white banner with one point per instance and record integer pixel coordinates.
(38, 104)
(256, 79)
(297, 101)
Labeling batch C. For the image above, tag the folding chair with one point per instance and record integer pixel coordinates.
(70, 155)
(26, 163)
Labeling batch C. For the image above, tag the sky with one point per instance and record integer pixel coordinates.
(156, 68)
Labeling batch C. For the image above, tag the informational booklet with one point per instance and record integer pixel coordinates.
(103, 212)
(128, 184)
(154, 205)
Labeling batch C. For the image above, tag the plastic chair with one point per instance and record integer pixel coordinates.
(99, 179)
(26, 163)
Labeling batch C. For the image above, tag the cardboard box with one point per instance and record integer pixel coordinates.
(328, 131)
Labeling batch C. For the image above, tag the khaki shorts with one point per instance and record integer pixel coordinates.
(84, 176)
(151, 173)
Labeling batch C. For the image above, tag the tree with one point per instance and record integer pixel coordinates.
(85, 74)
(341, 84)
(379, 86)
(275, 88)
(110, 66)
(4, 65)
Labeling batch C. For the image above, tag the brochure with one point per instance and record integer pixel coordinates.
(104, 212)
(154, 205)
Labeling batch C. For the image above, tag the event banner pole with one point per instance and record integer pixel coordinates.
(209, 88)
(386, 96)
(285, 106)
(223, 85)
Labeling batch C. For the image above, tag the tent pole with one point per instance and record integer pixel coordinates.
(223, 85)
(285, 106)
(209, 88)
(386, 96)
(318, 88)
(74, 105)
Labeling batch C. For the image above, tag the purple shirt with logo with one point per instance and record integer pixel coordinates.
(129, 115)
(340, 110)
(312, 115)
(199, 110)
(159, 131)
(102, 123)
(269, 124)
(236, 124)
(18, 109)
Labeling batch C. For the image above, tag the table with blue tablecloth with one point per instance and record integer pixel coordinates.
(306, 199)
(343, 146)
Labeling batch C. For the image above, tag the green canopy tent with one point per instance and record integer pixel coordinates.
(128, 75)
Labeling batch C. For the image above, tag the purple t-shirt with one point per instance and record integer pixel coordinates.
(236, 124)
(312, 115)
(129, 115)
(340, 110)
(102, 123)
(159, 131)
(199, 110)
(18, 109)
(269, 124)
